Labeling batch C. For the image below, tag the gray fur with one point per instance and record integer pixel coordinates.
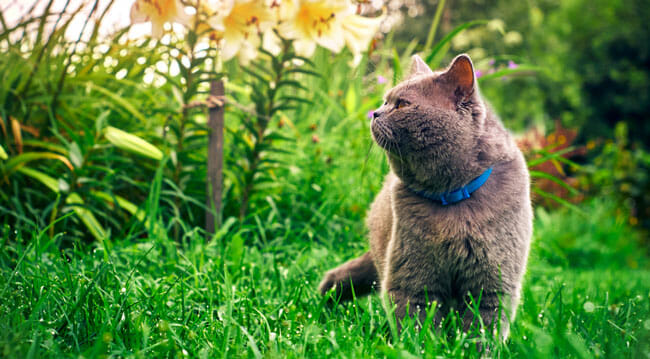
(439, 140)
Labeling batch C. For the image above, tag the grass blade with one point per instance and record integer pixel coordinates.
(540, 174)
(559, 200)
(437, 53)
(434, 25)
(520, 70)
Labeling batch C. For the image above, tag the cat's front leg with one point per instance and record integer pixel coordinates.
(493, 309)
(416, 306)
(358, 275)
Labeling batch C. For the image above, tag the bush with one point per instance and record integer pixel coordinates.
(621, 172)
(598, 237)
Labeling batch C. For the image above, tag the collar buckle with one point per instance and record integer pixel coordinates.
(465, 193)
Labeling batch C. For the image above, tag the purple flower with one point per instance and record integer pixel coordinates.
(491, 62)
(512, 65)
(370, 114)
(381, 79)
(478, 73)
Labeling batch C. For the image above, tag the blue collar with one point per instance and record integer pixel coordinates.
(458, 194)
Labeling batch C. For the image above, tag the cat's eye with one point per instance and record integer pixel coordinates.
(401, 103)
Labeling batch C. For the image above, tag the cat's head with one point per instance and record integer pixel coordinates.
(430, 125)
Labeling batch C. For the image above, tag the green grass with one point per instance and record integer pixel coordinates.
(222, 298)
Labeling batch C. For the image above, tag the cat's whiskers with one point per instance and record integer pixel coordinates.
(390, 146)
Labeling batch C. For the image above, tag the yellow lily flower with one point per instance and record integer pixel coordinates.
(243, 22)
(331, 24)
(309, 23)
(206, 21)
(158, 12)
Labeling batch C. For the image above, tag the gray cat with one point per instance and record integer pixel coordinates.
(454, 216)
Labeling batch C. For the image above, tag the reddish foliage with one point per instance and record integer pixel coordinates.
(532, 142)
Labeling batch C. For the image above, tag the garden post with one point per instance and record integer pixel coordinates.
(215, 157)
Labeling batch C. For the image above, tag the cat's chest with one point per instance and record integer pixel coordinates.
(430, 221)
(455, 237)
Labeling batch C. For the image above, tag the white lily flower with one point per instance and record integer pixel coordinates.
(359, 32)
(158, 12)
(331, 24)
(243, 22)
(309, 23)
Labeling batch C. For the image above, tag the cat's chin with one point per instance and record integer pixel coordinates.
(384, 144)
(381, 136)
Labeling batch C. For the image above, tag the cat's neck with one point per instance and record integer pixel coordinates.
(439, 174)
(435, 180)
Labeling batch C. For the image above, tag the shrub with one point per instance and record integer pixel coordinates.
(598, 237)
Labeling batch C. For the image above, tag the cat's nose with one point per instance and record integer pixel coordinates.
(376, 114)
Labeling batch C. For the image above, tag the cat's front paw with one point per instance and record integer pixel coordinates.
(351, 279)
(330, 281)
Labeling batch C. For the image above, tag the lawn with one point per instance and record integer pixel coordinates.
(218, 298)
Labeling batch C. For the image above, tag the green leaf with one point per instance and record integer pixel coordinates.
(47, 145)
(291, 83)
(3, 154)
(118, 100)
(274, 135)
(559, 200)
(132, 143)
(549, 156)
(17, 162)
(520, 70)
(408, 51)
(351, 100)
(75, 155)
(86, 216)
(262, 68)
(153, 201)
(304, 71)
(434, 25)
(48, 181)
(443, 45)
(540, 174)
(258, 76)
(235, 249)
(73, 199)
(122, 202)
(284, 107)
(397, 67)
(297, 99)
(251, 343)
(578, 345)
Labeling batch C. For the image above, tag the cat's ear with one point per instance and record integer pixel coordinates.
(460, 75)
(419, 67)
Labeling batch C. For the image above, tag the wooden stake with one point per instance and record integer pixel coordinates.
(215, 158)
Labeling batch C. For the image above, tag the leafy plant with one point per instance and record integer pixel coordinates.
(55, 104)
(620, 171)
